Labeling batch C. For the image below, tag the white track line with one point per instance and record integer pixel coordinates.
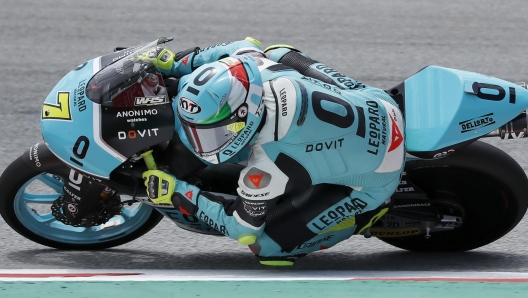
(251, 275)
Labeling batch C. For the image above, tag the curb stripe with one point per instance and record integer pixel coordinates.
(48, 275)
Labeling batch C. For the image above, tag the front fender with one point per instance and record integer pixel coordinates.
(40, 158)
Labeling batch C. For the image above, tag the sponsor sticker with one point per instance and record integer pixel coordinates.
(185, 60)
(254, 209)
(72, 208)
(33, 155)
(220, 228)
(189, 106)
(150, 100)
(236, 127)
(242, 111)
(135, 113)
(60, 110)
(189, 194)
(396, 135)
(385, 233)
(477, 122)
(256, 178)
(313, 243)
(141, 133)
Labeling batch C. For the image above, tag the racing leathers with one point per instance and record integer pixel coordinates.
(330, 152)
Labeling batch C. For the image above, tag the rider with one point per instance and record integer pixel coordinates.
(326, 150)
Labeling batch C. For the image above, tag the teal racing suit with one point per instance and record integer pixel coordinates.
(329, 154)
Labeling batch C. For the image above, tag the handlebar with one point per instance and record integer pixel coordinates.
(149, 160)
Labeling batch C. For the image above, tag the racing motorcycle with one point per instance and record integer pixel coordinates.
(456, 194)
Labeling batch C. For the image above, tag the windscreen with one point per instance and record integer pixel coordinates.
(130, 81)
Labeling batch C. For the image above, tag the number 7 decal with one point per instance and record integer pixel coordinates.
(59, 111)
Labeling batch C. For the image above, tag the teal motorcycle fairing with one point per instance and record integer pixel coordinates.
(446, 107)
(86, 122)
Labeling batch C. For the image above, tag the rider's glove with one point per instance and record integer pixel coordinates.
(162, 189)
(160, 57)
(160, 186)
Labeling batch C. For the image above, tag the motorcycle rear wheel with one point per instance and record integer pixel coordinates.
(488, 184)
(25, 205)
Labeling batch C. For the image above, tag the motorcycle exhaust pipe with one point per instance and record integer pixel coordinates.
(515, 129)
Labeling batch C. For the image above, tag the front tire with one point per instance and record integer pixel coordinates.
(25, 200)
(490, 187)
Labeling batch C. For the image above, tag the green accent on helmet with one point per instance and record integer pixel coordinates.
(224, 112)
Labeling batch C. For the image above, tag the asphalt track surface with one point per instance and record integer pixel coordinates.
(379, 43)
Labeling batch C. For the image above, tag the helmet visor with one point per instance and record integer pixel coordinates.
(209, 139)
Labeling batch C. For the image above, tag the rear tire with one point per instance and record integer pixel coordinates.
(489, 185)
(16, 207)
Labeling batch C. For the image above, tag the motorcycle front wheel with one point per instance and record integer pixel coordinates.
(25, 204)
(481, 184)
